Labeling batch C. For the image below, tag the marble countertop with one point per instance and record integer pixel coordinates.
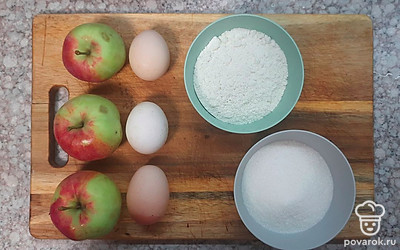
(16, 86)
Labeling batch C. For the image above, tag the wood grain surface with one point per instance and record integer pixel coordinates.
(200, 160)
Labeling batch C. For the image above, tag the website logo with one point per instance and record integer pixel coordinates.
(370, 224)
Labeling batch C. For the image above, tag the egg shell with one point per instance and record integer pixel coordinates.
(148, 195)
(149, 55)
(146, 128)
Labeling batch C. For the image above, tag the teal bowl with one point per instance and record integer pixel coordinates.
(288, 46)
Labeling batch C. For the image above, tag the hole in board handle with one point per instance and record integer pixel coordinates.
(58, 95)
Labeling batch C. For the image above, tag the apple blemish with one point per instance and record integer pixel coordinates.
(105, 36)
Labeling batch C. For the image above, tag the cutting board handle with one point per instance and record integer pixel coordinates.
(58, 95)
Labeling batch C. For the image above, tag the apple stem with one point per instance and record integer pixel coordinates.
(80, 125)
(78, 53)
(78, 206)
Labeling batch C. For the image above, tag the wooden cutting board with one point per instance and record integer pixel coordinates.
(200, 160)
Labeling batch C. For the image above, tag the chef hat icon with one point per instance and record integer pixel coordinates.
(370, 224)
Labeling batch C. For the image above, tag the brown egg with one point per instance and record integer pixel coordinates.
(148, 195)
(149, 55)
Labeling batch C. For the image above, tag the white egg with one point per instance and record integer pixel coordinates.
(147, 128)
(149, 55)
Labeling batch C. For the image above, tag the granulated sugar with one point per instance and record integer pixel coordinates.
(240, 76)
(287, 187)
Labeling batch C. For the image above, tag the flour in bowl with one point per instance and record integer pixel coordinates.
(240, 76)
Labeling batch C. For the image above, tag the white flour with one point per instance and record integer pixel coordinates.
(240, 76)
(287, 187)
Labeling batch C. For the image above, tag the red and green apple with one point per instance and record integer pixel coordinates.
(88, 127)
(86, 205)
(93, 52)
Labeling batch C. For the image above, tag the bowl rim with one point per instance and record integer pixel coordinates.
(234, 128)
(251, 151)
